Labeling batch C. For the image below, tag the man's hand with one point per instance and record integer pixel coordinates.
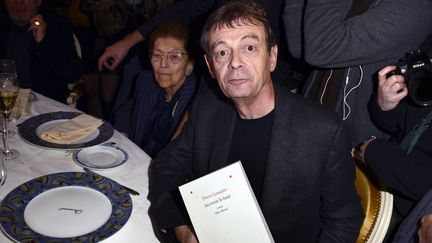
(391, 90)
(425, 231)
(114, 54)
(38, 28)
(186, 234)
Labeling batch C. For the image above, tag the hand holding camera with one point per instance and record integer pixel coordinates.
(391, 88)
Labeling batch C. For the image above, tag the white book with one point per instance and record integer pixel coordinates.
(223, 208)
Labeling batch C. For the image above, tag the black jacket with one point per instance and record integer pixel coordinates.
(308, 188)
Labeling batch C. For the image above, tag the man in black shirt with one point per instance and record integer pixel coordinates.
(296, 155)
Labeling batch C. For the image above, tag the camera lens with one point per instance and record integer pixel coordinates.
(421, 90)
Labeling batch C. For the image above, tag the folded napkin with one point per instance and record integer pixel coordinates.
(23, 97)
(73, 130)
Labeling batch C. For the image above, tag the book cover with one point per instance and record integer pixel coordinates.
(223, 207)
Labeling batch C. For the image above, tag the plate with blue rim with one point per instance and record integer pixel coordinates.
(65, 207)
(30, 131)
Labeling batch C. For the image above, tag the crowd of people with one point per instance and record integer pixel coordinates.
(287, 87)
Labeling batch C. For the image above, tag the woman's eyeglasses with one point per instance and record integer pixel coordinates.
(171, 56)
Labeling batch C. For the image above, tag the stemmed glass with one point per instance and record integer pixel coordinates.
(7, 66)
(3, 172)
(8, 95)
(14, 116)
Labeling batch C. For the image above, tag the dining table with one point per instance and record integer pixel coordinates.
(35, 161)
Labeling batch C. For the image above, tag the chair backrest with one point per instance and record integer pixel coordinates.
(377, 204)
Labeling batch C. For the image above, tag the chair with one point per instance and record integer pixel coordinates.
(377, 204)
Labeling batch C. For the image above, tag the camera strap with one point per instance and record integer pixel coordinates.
(411, 139)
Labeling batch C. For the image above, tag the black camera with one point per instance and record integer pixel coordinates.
(416, 67)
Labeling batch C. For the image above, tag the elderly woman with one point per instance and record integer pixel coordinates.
(160, 97)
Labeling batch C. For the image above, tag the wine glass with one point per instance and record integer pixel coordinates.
(2, 171)
(8, 96)
(14, 116)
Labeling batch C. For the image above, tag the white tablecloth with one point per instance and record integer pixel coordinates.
(35, 161)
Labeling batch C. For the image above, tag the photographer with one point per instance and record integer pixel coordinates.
(404, 163)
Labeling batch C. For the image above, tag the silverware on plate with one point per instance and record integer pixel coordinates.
(130, 190)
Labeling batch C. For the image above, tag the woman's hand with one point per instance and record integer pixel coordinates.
(391, 90)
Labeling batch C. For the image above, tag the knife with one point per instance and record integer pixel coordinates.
(130, 190)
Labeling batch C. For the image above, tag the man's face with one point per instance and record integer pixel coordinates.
(20, 11)
(240, 61)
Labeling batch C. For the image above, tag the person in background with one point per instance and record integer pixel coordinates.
(306, 195)
(404, 163)
(42, 46)
(194, 12)
(348, 42)
(161, 96)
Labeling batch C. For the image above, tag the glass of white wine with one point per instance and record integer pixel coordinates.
(14, 116)
(8, 95)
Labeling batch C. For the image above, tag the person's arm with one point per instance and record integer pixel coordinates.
(182, 11)
(115, 53)
(340, 211)
(385, 108)
(387, 160)
(386, 30)
(293, 22)
(54, 46)
(171, 168)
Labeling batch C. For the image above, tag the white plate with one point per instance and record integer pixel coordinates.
(48, 125)
(68, 211)
(102, 156)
